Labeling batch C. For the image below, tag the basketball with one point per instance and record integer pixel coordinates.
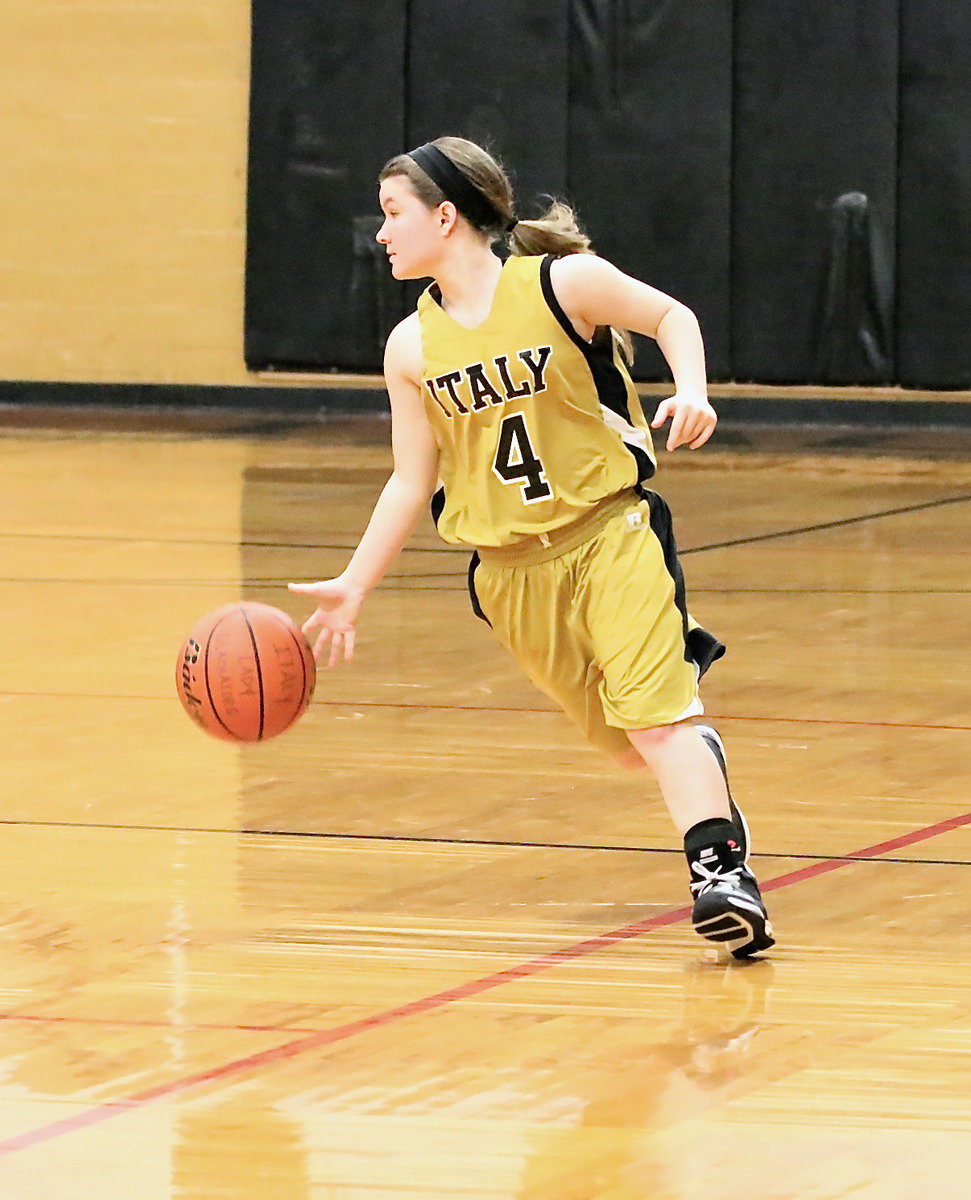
(245, 672)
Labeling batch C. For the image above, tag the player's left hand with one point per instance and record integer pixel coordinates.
(335, 620)
(692, 419)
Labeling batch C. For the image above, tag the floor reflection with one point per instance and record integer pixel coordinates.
(239, 1148)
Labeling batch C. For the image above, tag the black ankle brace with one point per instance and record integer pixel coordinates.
(713, 832)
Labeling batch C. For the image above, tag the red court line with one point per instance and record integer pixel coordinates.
(474, 987)
(834, 721)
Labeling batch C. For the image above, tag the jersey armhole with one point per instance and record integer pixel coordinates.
(555, 307)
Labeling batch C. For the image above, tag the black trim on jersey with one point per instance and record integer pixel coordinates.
(700, 646)
(645, 468)
(607, 379)
(437, 505)
(555, 307)
(473, 595)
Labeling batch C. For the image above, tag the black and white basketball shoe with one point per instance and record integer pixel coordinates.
(728, 907)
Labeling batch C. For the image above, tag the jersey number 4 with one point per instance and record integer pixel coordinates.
(516, 459)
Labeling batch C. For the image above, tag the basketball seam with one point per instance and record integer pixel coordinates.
(259, 670)
(212, 702)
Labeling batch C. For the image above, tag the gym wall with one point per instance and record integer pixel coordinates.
(123, 146)
(720, 151)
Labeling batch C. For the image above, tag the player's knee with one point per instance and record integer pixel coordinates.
(630, 759)
(650, 744)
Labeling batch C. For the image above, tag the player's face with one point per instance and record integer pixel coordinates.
(411, 232)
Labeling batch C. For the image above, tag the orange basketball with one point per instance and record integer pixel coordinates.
(245, 672)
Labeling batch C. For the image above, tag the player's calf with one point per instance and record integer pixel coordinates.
(714, 743)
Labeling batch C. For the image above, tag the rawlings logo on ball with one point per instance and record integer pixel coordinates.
(190, 700)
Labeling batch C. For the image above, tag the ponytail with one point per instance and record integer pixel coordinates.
(558, 233)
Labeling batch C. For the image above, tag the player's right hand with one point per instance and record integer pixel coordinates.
(338, 605)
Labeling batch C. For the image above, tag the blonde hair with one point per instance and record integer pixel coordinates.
(556, 232)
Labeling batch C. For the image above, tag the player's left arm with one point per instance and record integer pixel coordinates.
(594, 292)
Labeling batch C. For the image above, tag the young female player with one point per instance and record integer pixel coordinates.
(514, 414)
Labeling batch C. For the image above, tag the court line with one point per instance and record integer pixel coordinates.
(425, 1004)
(412, 583)
(438, 549)
(417, 840)
(843, 521)
(392, 583)
(495, 708)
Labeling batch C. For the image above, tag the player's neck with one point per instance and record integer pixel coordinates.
(468, 282)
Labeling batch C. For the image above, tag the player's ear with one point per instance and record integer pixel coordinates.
(448, 216)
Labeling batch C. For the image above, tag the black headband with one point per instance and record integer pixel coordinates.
(456, 186)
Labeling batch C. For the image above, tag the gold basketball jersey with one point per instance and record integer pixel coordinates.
(534, 425)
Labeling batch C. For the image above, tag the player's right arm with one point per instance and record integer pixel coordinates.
(405, 497)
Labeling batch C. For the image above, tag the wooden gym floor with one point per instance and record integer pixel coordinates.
(426, 946)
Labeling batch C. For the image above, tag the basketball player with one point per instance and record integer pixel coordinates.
(514, 414)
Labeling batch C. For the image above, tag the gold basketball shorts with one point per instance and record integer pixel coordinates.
(595, 615)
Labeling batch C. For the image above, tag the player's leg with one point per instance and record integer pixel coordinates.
(686, 771)
(633, 606)
(539, 612)
(698, 795)
(728, 906)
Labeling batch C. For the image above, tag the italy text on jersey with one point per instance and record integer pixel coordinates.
(477, 386)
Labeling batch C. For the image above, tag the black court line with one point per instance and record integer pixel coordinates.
(279, 545)
(395, 582)
(417, 840)
(127, 539)
(813, 591)
(496, 708)
(821, 525)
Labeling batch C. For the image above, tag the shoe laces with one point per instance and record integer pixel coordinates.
(711, 877)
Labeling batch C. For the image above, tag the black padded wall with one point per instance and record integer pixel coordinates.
(934, 302)
(814, 211)
(326, 98)
(797, 171)
(650, 151)
(495, 73)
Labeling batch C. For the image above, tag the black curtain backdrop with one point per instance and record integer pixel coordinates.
(815, 121)
(934, 300)
(797, 171)
(495, 73)
(650, 152)
(326, 113)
